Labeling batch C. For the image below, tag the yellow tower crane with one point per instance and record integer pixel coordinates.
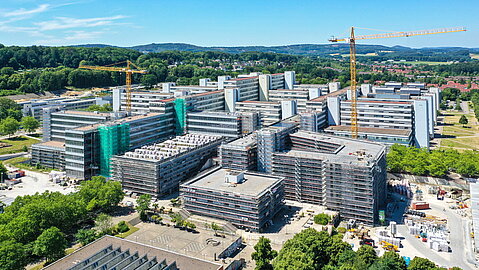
(128, 70)
(352, 61)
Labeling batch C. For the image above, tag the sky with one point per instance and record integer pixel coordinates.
(233, 23)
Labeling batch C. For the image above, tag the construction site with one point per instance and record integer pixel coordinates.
(157, 169)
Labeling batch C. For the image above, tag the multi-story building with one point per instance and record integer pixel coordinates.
(140, 101)
(270, 112)
(247, 200)
(56, 121)
(228, 125)
(345, 175)
(313, 120)
(240, 154)
(271, 139)
(89, 148)
(50, 154)
(158, 169)
(35, 108)
(248, 88)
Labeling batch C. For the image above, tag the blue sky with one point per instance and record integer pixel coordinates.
(232, 23)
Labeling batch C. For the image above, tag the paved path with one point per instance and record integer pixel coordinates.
(14, 155)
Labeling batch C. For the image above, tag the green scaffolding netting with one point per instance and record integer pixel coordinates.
(114, 140)
(180, 112)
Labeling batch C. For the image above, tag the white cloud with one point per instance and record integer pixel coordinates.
(67, 23)
(83, 35)
(25, 12)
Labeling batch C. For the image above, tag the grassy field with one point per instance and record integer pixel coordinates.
(17, 143)
(20, 162)
(474, 55)
(464, 137)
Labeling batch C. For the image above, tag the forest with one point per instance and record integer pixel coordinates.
(38, 69)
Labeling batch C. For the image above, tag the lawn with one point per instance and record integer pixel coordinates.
(467, 143)
(17, 144)
(422, 63)
(474, 55)
(458, 131)
(126, 234)
(22, 163)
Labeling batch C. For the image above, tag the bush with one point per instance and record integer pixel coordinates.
(122, 227)
(341, 230)
(322, 219)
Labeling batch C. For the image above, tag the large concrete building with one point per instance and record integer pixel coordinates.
(158, 169)
(247, 200)
(271, 139)
(113, 253)
(240, 154)
(228, 125)
(35, 107)
(345, 175)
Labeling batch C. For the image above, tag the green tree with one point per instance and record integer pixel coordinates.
(458, 105)
(50, 244)
(12, 256)
(463, 120)
(85, 236)
(143, 203)
(122, 227)
(419, 263)
(322, 219)
(263, 254)
(216, 228)
(3, 170)
(30, 124)
(100, 194)
(367, 254)
(149, 80)
(9, 108)
(104, 224)
(390, 261)
(9, 126)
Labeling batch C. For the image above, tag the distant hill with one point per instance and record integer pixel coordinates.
(375, 52)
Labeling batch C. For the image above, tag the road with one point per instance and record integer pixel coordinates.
(9, 156)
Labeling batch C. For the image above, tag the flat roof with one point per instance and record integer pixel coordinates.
(254, 184)
(351, 152)
(247, 141)
(54, 144)
(182, 261)
(387, 131)
(84, 113)
(118, 121)
(332, 94)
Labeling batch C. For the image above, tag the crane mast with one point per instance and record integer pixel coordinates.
(352, 62)
(128, 70)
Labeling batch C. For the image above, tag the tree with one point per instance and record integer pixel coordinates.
(458, 105)
(12, 256)
(390, 261)
(104, 224)
(263, 254)
(9, 108)
(419, 263)
(149, 80)
(3, 170)
(50, 244)
(30, 124)
(85, 236)
(463, 120)
(100, 194)
(215, 227)
(9, 126)
(322, 219)
(367, 254)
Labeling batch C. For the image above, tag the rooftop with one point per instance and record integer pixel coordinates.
(84, 113)
(254, 184)
(247, 141)
(109, 243)
(333, 94)
(53, 144)
(387, 131)
(162, 151)
(350, 151)
(118, 121)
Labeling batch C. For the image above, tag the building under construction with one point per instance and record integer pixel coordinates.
(241, 154)
(158, 169)
(247, 200)
(345, 175)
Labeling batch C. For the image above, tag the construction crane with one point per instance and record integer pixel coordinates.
(128, 70)
(352, 61)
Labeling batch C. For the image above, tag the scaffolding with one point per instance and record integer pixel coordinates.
(114, 140)
(180, 115)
